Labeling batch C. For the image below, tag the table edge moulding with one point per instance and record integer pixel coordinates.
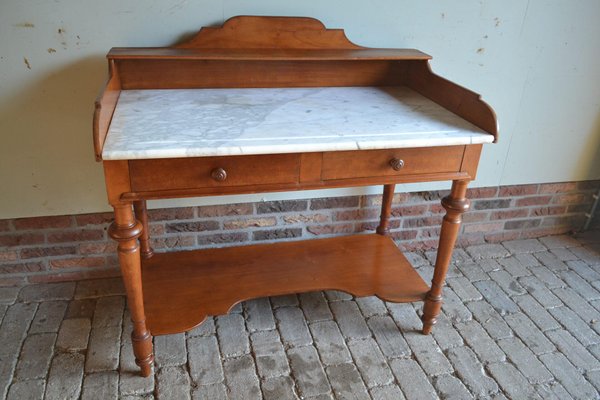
(253, 57)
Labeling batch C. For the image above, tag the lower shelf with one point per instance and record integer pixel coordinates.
(182, 288)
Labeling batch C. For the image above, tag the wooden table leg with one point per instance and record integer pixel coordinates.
(141, 214)
(455, 204)
(386, 209)
(126, 230)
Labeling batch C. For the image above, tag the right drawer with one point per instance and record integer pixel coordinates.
(390, 162)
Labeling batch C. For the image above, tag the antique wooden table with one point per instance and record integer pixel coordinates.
(266, 104)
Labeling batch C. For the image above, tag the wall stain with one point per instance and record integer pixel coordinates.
(480, 50)
(497, 22)
(25, 25)
(51, 50)
(26, 61)
(61, 31)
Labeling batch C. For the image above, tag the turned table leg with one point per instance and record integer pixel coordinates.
(455, 204)
(126, 230)
(141, 214)
(386, 209)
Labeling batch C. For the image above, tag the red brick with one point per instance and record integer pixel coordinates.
(304, 218)
(419, 197)
(371, 226)
(192, 226)
(21, 267)
(482, 193)
(249, 222)
(490, 204)
(4, 225)
(413, 245)
(21, 239)
(522, 224)
(81, 235)
(574, 221)
(484, 227)
(98, 248)
(330, 229)
(469, 239)
(272, 234)
(7, 255)
(558, 187)
(375, 200)
(437, 208)
(75, 276)
(545, 231)
(356, 215)
(156, 229)
(220, 238)
(164, 214)
(61, 221)
(334, 202)
(79, 262)
(497, 237)
(408, 211)
(94, 219)
(225, 210)
(425, 221)
(433, 232)
(509, 214)
(533, 201)
(404, 235)
(269, 207)
(552, 210)
(517, 190)
(579, 208)
(12, 281)
(173, 242)
(477, 216)
(38, 252)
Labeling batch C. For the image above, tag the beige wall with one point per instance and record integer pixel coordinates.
(536, 62)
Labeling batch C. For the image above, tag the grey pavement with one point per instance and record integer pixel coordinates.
(521, 321)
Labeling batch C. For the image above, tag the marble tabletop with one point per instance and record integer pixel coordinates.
(215, 122)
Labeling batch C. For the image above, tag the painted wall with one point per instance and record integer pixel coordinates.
(536, 62)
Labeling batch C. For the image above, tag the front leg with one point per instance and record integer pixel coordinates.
(455, 204)
(126, 230)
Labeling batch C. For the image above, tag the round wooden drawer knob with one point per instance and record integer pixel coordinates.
(397, 164)
(219, 174)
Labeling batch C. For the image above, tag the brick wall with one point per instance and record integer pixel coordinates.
(76, 246)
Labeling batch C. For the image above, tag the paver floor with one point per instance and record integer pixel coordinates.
(521, 320)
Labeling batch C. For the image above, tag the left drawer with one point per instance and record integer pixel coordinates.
(204, 172)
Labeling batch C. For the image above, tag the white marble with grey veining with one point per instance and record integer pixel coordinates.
(218, 122)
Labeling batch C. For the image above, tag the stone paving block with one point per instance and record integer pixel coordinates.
(573, 350)
(487, 251)
(315, 306)
(426, 273)
(370, 362)
(109, 311)
(147, 396)
(578, 304)
(7, 367)
(204, 360)
(169, 350)
(288, 300)
(408, 372)
(308, 371)
(489, 265)
(491, 321)
(391, 392)
(73, 334)
(524, 246)
(496, 297)
(480, 342)
(527, 260)
(278, 388)
(553, 391)
(173, 383)
(471, 372)
(83, 308)
(8, 294)
(580, 285)
(370, 306)
(464, 289)
(330, 343)
(350, 320)
(536, 313)
(551, 261)
(454, 308)
(206, 328)
(577, 327)
(405, 316)
(445, 334)
(473, 272)
(233, 338)
(47, 291)
(101, 385)
(588, 255)
(65, 377)
(525, 360)
(428, 354)
(558, 241)
(240, 378)
(529, 333)
(103, 350)
(3, 308)
(388, 337)
(94, 288)
(271, 360)
(593, 377)
(564, 254)
(585, 271)
(35, 357)
(336, 295)
(449, 387)
(416, 259)
(512, 382)
(216, 391)
(14, 327)
(568, 376)
(346, 382)
(507, 282)
(259, 315)
(292, 326)
(547, 277)
(514, 267)
(48, 317)
(33, 389)
(540, 292)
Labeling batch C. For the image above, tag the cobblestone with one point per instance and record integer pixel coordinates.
(315, 307)
(572, 380)
(259, 315)
(525, 360)
(169, 350)
(35, 357)
(48, 317)
(370, 362)
(330, 343)
(278, 388)
(408, 372)
(449, 387)
(233, 338)
(73, 334)
(101, 385)
(346, 382)
(173, 383)
(292, 326)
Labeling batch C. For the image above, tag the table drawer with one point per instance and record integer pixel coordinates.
(390, 162)
(202, 172)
